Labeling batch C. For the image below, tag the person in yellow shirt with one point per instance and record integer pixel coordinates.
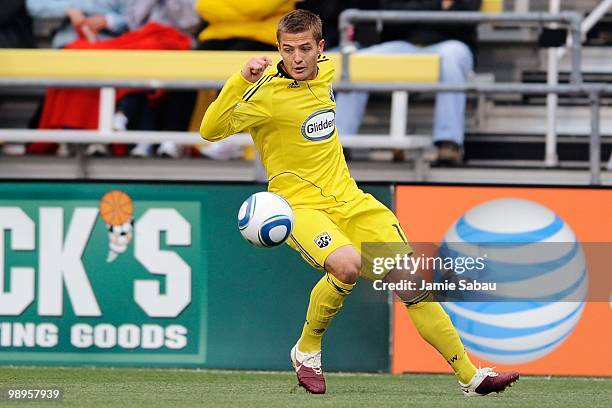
(240, 25)
(289, 109)
(236, 25)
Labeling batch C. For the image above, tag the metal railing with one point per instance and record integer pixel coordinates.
(105, 133)
(593, 91)
(572, 20)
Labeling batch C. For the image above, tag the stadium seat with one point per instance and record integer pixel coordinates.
(195, 65)
(492, 6)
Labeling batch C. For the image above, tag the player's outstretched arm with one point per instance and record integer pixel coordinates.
(229, 114)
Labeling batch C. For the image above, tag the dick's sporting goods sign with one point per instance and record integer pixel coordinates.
(158, 274)
(108, 280)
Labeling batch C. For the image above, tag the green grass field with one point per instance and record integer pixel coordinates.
(127, 387)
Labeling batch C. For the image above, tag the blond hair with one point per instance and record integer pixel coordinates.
(299, 21)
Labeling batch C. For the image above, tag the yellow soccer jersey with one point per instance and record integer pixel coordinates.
(293, 126)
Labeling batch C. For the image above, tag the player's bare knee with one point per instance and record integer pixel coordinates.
(345, 270)
(348, 272)
(344, 264)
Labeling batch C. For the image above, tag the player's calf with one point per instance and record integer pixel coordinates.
(407, 296)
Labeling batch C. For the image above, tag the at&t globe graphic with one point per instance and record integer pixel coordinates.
(541, 276)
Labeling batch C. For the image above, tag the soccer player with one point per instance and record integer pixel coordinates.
(289, 110)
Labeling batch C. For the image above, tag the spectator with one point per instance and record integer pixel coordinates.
(15, 32)
(241, 26)
(236, 25)
(172, 110)
(150, 22)
(176, 13)
(15, 25)
(454, 44)
(93, 19)
(329, 11)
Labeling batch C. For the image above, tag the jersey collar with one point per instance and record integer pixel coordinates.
(281, 70)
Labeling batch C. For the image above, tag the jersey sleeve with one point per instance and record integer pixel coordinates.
(234, 110)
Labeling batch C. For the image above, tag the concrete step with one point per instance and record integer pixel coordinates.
(594, 60)
(582, 6)
(518, 120)
(52, 167)
(571, 120)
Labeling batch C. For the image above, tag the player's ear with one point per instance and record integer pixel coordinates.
(321, 46)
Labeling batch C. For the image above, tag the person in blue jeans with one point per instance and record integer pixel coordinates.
(453, 43)
(94, 19)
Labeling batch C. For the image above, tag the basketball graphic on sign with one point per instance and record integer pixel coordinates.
(116, 207)
(117, 210)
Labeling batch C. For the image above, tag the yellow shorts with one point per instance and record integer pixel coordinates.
(319, 232)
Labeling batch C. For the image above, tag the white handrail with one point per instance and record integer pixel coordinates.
(189, 138)
(587, 24)
(595, 15)
(552, 78)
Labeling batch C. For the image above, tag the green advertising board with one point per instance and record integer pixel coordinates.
(162, 278)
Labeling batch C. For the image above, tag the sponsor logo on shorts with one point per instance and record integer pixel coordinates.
(319, 125)
(323, 240)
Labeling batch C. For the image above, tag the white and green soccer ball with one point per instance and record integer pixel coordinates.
(265, 219)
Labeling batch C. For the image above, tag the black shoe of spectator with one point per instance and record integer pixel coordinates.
(450, 154)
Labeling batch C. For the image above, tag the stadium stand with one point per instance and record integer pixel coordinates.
(512, 127)
(509, 129)
(494, 135)
(87, 65)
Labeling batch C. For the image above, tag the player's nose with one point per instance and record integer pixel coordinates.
(297, 57)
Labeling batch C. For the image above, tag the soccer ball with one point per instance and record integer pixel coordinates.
(265, 219)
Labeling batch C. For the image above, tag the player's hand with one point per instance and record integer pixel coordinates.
(254, 69)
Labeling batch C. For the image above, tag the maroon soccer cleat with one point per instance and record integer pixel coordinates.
(486, 381)
(308, 370)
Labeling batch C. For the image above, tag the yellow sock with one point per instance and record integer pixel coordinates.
(325, 300)
(436, 328)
